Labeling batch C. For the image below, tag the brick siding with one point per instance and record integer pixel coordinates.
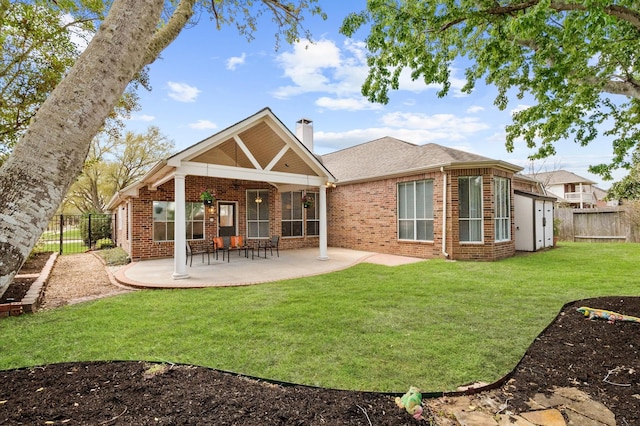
(362, 216)
(142, 246)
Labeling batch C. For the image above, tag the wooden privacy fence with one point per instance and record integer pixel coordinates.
(605, 224)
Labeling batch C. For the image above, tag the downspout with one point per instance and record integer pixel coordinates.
(444, 213)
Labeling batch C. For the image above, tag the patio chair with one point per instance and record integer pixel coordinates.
(238, 243)
(191, 252)
(221, 244)
(271, 244)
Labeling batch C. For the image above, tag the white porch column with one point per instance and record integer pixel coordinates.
(581, 200)
(322, 210)
(180, 230)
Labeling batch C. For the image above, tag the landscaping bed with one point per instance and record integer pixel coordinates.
(18, 298)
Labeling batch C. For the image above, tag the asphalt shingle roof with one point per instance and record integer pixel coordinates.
(387, 156)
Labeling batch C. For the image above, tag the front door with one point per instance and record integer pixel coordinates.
(226, 219)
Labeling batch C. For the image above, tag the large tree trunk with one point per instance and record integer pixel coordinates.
(48, 158)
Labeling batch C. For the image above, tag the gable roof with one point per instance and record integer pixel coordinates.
(257, 148)
(387, 156)
(559, 177)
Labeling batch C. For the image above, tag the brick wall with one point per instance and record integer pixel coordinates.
(362, 216)
(141, 244)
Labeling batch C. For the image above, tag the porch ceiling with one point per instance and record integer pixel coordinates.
(258, 145)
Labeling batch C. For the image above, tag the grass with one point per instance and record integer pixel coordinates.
(68, 234)
(67, 247)
(433, 324)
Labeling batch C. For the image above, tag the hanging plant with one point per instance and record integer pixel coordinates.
(207, 197)
(307, 201)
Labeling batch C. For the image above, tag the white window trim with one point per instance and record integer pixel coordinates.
(508, 209)
(415, 219)
(481, 219)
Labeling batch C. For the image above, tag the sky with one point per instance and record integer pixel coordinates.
(210, 79)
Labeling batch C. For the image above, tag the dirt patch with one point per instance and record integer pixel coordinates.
(35, 263)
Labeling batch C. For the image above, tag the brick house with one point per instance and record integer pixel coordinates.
(386, 196)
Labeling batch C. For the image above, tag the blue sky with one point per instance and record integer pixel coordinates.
(209, 79)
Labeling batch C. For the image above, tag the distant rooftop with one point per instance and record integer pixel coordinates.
(559, 177)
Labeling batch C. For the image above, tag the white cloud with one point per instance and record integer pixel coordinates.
(412, 127)
(437, 122)
(322, 67)
(519, 108)
(182, 92)
(234, 61)
(143, 117)
(348, 104)
(203, 125)
(474, 109)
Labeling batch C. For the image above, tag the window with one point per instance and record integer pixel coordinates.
(470, 200)
(313, 216)
(292, 214)
(415, 210)
(164, 215)
(502, 198)
(258, 214)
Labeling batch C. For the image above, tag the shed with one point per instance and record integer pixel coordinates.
(533, 217)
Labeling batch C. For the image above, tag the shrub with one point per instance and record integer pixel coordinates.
(104, 243)
(100, 227)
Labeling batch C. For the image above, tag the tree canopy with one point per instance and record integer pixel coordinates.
(113, 163)
(628, 188)
(577, 60)
(39, 42)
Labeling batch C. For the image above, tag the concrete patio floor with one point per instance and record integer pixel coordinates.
(239, 270)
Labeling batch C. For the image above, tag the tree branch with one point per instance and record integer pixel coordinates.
(169, 32)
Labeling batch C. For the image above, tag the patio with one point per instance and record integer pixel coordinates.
(246, 271)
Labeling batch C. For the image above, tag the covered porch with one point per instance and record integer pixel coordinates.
(258, 172)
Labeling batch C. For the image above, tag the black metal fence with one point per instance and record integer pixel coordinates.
(78, 233)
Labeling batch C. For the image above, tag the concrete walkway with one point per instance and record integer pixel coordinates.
(246, 271)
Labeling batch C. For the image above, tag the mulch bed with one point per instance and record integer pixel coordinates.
(20, 286)
(596, 357)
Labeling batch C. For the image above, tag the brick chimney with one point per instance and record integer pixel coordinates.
(304, 132)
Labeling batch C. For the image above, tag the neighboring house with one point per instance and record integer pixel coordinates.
(385, 196)
(570, 189)
(601, 196)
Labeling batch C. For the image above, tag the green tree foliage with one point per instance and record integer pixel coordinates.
(113, 163)
(628, 188)
(578, 60)
(39, 42)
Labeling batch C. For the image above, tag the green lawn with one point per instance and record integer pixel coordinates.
(433, 324)
(67, 247)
